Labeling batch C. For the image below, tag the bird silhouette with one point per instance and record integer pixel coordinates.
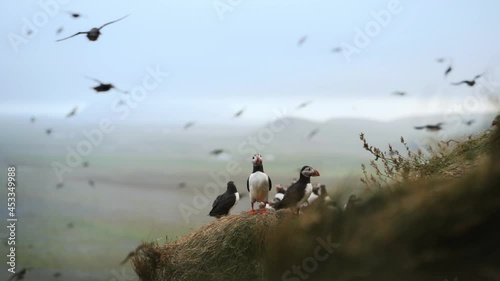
(85, 164)
(188, 125)
(94, 33)
(70, 225)
(59, 185)
(448, 70)
(91, 183)
(57, 275)
(59, 30)
(337, 50)
(216, 151)
(75, 15)
(72, 112)
(20, 274)
(440, 60)
(399, 93)
(302, 40)
(239, 113)
(48, 131)
(103, 87)
(431, 128)
(469, 83)
(312, 133)
(303, 105)
(33, 119)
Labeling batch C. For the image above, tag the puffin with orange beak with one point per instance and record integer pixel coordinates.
(299, 192)
(258, 183)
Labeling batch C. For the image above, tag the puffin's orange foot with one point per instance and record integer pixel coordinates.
(262, 211)
(252, 212)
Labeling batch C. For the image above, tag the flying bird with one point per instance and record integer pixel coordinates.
(182, 184)
(337, 50)
(304, 104)
(448, 70)
(48, 131)
(75, 15)
(313, 133)
(129, 256)
(59, 30)
(431, 128)
(94, 33)
(32, 119)
(239, 113)
(57, 275)
(72, 112)
(216, 151)
(225, 202)
(59, 185)
(103, 87)
(299, 192)
(440, 60)
(399, 93)
(20, 274)
(302, 40)
(469, 83)
(91, 183)
(70, 225)
(85, 164)
(258, 183)
(188, 125)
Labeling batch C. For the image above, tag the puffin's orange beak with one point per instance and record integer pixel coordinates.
(316, 173)
(259, 161)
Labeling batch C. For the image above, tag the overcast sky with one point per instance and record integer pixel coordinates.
(249, 57)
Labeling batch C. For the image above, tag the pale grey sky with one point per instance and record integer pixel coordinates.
(250, 58)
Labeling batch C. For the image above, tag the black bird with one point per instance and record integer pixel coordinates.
(74, 15)
(304, 104)
(72, 112)
(59, 30)
(239, 113)
(258, 183)
(32, 119)
(337, 50)
(225, 202)
(48, 131)
(302, 40)
(299, 192)
(102, 87)
(59, 185)
(20, 274)
(448, 70)
(496, 120)
(313, 133)
(469, 122)
(399, 93)
(351, 203)
(469, 83)
(94, 33)
(431, 128)
(216, 151)
(188, 125)
(129, 256)
(440, 60)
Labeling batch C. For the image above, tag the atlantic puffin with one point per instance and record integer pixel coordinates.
(258, 183)
(298, 192)
(225, 202)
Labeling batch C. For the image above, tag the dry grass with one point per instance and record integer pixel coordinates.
(230, 248)
(432, 227)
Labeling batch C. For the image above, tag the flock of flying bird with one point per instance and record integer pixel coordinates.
(301, 193)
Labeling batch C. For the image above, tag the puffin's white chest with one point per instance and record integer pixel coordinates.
(307, 193)
(236, 202)
(258, 184)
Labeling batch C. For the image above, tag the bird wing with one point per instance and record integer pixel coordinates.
(248, 184)
(113, 21)
(78, 33)
(224, 203)
(292, 196)
(98, 81)
(459, 83)
(217, 200)
(270, 183)
(478, 76)
(419, 127)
